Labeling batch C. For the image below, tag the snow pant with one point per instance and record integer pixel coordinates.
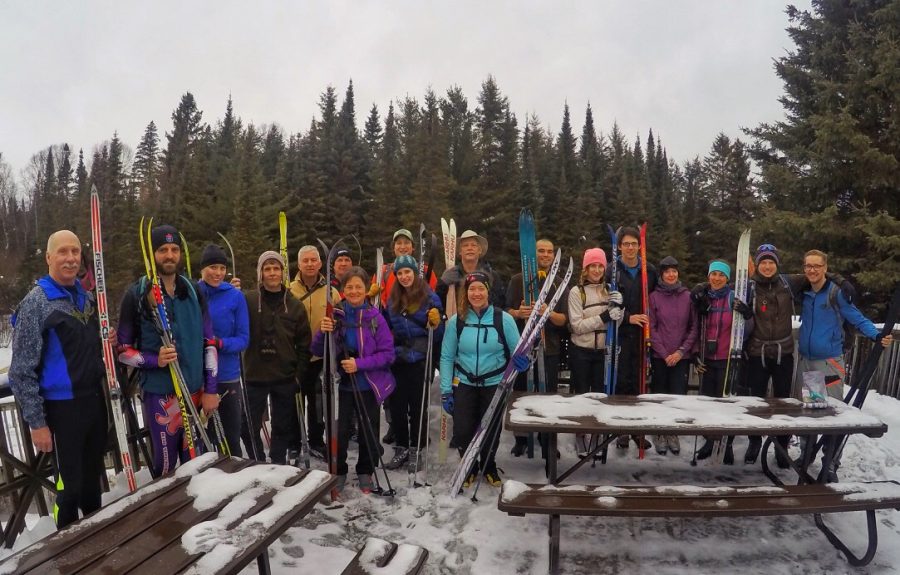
(628, 372)
(712, 384)
(369, 442)
(311, 387)
(80, 432)
(230, 409)
(285, 425)
(780, 370)
(406, 403)
(672, 379)
(588, 368)
(162, 417)
(470, 404)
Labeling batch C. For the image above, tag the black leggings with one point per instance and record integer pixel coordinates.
(347, 409)
(471, 403)
(406, 403)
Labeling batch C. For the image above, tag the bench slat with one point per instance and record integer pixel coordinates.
(689, 501)
(378, 554)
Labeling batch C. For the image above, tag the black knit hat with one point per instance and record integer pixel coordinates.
(162, 235)
(213, 254)
(668, 262)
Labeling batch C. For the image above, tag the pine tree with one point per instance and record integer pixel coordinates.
(182, 141)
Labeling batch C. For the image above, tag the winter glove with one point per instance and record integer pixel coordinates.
(447, 403)
(615, 299)
(374, 290)
(434, 317)
(521, 362)
(742, 308)
(612, 314)
(700, 298)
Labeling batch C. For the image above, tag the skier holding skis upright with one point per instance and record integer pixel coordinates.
(472, 249)
(141, 346)
(57, 377)
(228, 312)
(277, 357)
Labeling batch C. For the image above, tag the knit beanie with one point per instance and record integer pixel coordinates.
(266, 256)
(667, 262)
(212, 255)
(593, 256)
(478, 277)
(720, 266)
(767, 251)
(402, 233)
(342, 253)
(405, 261)
(162, 235)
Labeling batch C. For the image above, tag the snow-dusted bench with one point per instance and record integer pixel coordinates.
(380, 556)
(210, 516)
(692, 501)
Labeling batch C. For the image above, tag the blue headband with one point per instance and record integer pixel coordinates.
(720, 266)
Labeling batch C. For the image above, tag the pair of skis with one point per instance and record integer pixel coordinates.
(448, 231)
(530, 290)
(612, 329)
(490, 423)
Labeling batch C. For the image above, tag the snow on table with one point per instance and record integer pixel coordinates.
(685, 414)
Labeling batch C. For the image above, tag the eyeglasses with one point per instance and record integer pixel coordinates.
(813, 266)
(630, 244)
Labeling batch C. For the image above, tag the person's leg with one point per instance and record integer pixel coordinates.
(312, 393)
(484, 395)
(597, 371)
(94, 450)
(369, 448)
(414, 404)
(230, 413)
(346, 409)
(551, 371)
(661, 377)
(285, 422)
(628, 369)
(399, 404)
(258, 396)
(163, 421)
(580, 368)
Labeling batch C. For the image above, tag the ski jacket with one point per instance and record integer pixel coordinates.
(410, 330)
(388, 280)
(478, 351)
(773, 306)
(630, 287)
(718, 319)
(586, 304)
(139, 339)
(56, 348)
(673, 322)
(457, 276)
(231, 324)
(279, 338)
(552, 332)
(821, 333)
(374, 347)
(313, 300)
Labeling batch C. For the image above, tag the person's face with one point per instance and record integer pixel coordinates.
(595, 273)
(64, 260)
(469, 249)
(167, 257)
(670, 275)
(406, 277)
(629, 245)
(310, 264)
(767, 268)
(342, 265)
(717, 280)
(402, 247)
(478, 295)
(213, 274)
(814, 267)
(544, 254)
(272, 275)
(355, 291)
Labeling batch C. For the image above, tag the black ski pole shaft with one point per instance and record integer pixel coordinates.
(493, 434)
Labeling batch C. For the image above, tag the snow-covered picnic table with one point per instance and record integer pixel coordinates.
(213, 515)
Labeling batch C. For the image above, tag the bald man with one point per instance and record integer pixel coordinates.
(57, 377)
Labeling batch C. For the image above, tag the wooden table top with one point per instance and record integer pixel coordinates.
(234, 507)
(661, 414)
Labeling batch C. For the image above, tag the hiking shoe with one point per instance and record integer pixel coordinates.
(389, 436)
(660, 442)
(673, 444)
(706, 450)
(752, 450)
(366, 485)
(729, 455)
(622, 442)
(493, 477)
(401, 456)
(470, 480)
(519, 447)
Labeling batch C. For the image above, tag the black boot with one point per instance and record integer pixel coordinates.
(783, 461)
(753, 449)
(389, 436)
(728, 459)
(706, 450)
(521, 444)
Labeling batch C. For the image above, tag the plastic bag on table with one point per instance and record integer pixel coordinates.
(814, 394)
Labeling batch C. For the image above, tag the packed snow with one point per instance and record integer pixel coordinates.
(465, 537)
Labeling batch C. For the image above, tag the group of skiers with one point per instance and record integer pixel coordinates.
(260, 354)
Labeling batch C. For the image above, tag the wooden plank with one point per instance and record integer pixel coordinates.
(380, 554)
(85, 539)
(701, 502)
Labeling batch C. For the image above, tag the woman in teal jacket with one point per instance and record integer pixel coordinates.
(473, 358)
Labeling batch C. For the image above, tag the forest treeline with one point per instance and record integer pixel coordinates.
(826, 177)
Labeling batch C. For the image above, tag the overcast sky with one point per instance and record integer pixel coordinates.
(78, 71)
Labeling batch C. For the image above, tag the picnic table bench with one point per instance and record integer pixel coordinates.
(213, 515)
(378, 555)
(659, 414)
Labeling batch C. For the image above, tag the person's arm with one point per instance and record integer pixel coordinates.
(448, 356)
(655, 342)
(127, 334)
(510, 331)
(852, 314)
(27, 353)
(692, 334)
(302, 342)
(383, 356)
(241, 339)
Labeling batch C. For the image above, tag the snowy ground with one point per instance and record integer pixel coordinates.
(465, 537)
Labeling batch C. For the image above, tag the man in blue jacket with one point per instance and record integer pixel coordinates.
(824, 309)
(57, 377)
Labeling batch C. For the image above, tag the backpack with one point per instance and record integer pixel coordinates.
(498, 327)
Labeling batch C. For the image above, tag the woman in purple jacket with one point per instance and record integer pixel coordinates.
(365, 351)
(673, 333)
